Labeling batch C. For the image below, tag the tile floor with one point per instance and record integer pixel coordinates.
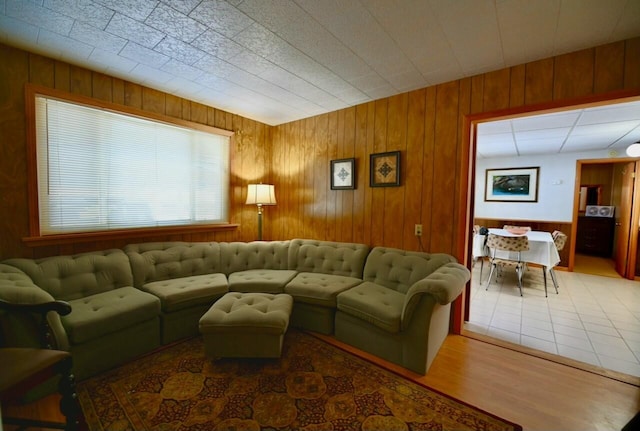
(593, 319)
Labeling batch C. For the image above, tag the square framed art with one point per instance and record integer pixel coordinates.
(343, 174)
(384, 169)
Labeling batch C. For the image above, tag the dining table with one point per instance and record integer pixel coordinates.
(542, 250)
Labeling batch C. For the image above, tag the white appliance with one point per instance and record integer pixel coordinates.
(600, 211)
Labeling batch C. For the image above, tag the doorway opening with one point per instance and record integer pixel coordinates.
(541, 338)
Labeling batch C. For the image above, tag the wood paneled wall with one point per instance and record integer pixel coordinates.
(250, 149)
(428, 127)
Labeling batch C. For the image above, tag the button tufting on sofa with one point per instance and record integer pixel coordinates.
(146, 294)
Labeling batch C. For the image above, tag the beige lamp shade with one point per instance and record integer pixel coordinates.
(261, 194)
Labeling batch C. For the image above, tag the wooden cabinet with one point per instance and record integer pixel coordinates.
(595, 235)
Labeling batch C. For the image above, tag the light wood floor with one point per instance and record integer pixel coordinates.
(604, 267)
(532, 392)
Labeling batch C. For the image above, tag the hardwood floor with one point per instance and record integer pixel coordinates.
(533, 392)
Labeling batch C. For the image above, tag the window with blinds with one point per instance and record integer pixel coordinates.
(100, 170)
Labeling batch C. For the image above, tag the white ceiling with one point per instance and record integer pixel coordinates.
(276, 61)
(613, 128)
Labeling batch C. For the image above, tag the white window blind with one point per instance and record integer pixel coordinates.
(100, 170)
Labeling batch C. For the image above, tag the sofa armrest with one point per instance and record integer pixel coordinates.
(61, 307)
(444, 284)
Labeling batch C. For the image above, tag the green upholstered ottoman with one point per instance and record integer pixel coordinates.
(246, 325)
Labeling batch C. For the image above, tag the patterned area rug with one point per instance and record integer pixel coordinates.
(313, 386)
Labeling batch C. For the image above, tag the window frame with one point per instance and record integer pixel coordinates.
(36, 238)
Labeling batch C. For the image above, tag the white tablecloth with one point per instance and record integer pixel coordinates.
(542, 249)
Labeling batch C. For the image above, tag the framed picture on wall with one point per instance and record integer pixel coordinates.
(512, 185)
(384, 169)
(343, 174)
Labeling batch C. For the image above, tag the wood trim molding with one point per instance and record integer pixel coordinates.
(39, 241)
(36, 239)
(466, 183)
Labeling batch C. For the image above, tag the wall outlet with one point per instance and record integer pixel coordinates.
(418, 230)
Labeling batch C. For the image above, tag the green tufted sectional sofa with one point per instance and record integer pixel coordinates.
(389, 302)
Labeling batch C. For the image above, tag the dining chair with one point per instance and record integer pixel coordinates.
(516, 244)
(479, 250)
(559, 239)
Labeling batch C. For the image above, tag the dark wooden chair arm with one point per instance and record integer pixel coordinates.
(61, 307)
(46, 337)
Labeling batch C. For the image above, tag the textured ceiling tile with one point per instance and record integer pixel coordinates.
(380, 92)
(96, 37)
(217, 45)
(209, 63)
(63, 44)
(184, 6)
(113, 61)
(524, 31)
(472, 31)
(221, 17)
(150, 75)
(83, 10)
(252, 63)
(143, 55)
(580, 27)
(136, 9)
(37, 15)
(362, 34)
(415, 30)
(175, 23)
(268, 45)
(629, 21)
(212, 81)
(17, 32)
(179, 50)
(185, 71)
(297, 27)
(178, 84)
(135, 31)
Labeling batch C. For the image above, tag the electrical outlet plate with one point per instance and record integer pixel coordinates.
(418, 230)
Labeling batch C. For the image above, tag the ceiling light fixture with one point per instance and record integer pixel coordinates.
(633, 150)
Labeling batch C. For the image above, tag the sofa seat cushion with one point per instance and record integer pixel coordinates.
(375, 304)
(106, 312)
(260, 280)
(319, 289)
(184, 292)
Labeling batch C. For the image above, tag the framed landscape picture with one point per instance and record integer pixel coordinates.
(512, 185)
(384, 169)
(343, 174)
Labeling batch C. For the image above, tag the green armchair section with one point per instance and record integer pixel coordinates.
(401, 310)
(111, 323)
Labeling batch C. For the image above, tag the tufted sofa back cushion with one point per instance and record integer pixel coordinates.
(328, 257)
(78, 276)
(242, 256)
(158, 261)
(400, 269)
